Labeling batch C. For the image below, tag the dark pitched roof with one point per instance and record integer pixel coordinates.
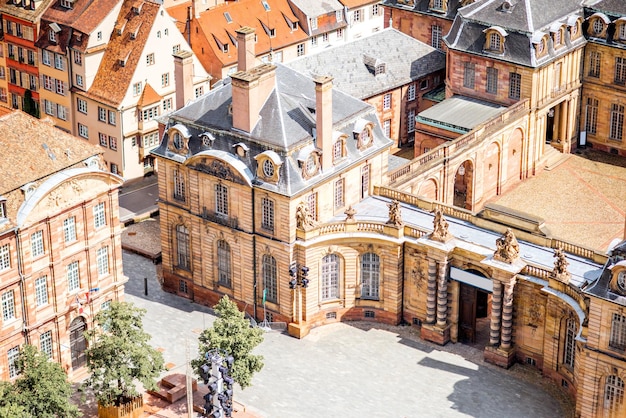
(283, 127)
(524, 21)
(608, 7)
(423, 7)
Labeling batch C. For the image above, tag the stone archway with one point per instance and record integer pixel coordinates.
(78, 343)
(514, 159)
(428, 190)
(463, 185)
(491, 171)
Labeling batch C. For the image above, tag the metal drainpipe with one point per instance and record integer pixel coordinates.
(22, 287)
(254, 281)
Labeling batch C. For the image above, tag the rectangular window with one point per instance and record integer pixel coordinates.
(69, 229)
(182, 247)
(137, 89)
(8, 306)
(45, 343)
(469, 76)
(165, 79)
(104, 140)
(167, 104)
(102, 114)
(492, 80)
(339, 194)
(313, 21)
(73, 277)
(150, 59)
(12, 356)
(113, 143)
(79, 80)
(5, 257)
(313, 41)
(78, 58)
(199, 91)
(99, 219)
(591, 116)
(618, 332)
(59, 62)
(41, 291)
(31, 57)
(112, 117)
(339, 16)
(595, 58)
(387, 127)
(114, 169)
(49, 107)
(176, 49)
(179, 186)
(300, 50)
(60, 87)
(81, 105)
(410, 122)
(411, 92)
(221, 199)
(312, 201)
(617, 122)
(620, 70)
(357, 16)
(387, 101)
(45, 56)
(515, 85)
(268, 214)
(436, 33)
(150, 113)
(365, 181)
(36, 244)
(339, 33)
(83, 131)
(375, 10)
(102, 260)
(61, 112)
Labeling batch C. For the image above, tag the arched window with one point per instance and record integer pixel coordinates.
(182, 247)
(370, 276)
(269, 278)
(613, 396)
(495, 41)
(223, 263)
(598, 26)
(330, 277)
(569, 353)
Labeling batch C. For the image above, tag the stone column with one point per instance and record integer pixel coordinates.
(431, 292)
(496, 314)
(442, 295)
(507, 315)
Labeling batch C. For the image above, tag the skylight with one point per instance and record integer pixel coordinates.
(228, 18)
(265, 6)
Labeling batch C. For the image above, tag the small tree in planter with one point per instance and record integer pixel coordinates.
(119, 356)
(231, 333)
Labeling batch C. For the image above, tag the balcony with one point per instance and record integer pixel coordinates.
(218, 218)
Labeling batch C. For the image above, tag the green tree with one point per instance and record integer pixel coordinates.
(119, 356)
(231, 332)
(9, 407)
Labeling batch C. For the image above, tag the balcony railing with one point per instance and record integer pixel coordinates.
(218, 218)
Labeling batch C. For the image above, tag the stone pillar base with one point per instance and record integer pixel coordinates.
(300, 330)
(500, 357)
(432, 333)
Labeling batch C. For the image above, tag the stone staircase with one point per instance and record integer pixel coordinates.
(552, 158)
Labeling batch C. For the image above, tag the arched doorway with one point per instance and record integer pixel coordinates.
(463, 185)
(78, 344)
(428, 190)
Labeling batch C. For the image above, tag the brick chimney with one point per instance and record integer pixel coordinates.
(246, 56)
(324, 118)
(251, 86)
(183, 77)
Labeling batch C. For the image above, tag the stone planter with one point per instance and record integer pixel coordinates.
(131, 409)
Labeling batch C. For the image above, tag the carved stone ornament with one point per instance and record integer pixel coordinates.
(559, 271)
(62, 194)
(304, 220)
(219, 169)
(440, 227)
(507, 248)
(350, 212)
(395, 214)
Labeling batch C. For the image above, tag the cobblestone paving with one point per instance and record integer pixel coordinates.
(351, 370)
(582, 201)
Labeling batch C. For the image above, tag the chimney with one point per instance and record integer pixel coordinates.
(251, 86)
(183, 77)
(246, 56)
(324, 118)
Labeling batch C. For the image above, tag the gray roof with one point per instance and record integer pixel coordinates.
(283, 127)
(608, 7)
(406, 59)
(423, 7)
(601, 287)
(524, 21)
(458, 113)
(317, 7)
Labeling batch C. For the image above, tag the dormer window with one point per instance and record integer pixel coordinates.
(363, 133)
(598, 26)
(178, 139)
(268, 166)
(620, 32)
(66, 3)
(313, 21)
(438, 5)
(598, 23)
(28, 189)
(494, 39)
(207, 139)
(621, 281)
(310, 165)
(3, 208)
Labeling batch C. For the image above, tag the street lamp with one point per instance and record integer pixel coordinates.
(299, 280)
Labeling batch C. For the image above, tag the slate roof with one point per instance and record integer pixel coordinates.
(526, 20)
(17, 10)
(423, 7)
(406, 59)
(283, 128)
(34, 149)
(608, 7)
(601, 287)
(317, 8)
(462, 114)
(113, 79)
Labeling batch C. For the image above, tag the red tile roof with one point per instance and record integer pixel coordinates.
(353, 4)
(148, 96)
(123, 52)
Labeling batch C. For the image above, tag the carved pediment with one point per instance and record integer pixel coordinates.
(218, 169)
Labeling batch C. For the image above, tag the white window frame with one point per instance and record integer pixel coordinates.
(81, 105)
(12, 356)
(5, 257)
(45, 343)
(8, 306)
(99, 215)
(221, 199)
(41, 290)
(387, 101)
(410, 95)
(73, 277)
(370, 276)
(102, 261)
(69, 229)
(36, 244)
(223, 263)
(267, 205)
(329, 286)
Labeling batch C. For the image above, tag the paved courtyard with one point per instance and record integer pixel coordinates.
(351, 370)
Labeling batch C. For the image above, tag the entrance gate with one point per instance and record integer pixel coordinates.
(473, 305)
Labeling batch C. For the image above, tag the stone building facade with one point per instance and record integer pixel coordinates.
(60, 248)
